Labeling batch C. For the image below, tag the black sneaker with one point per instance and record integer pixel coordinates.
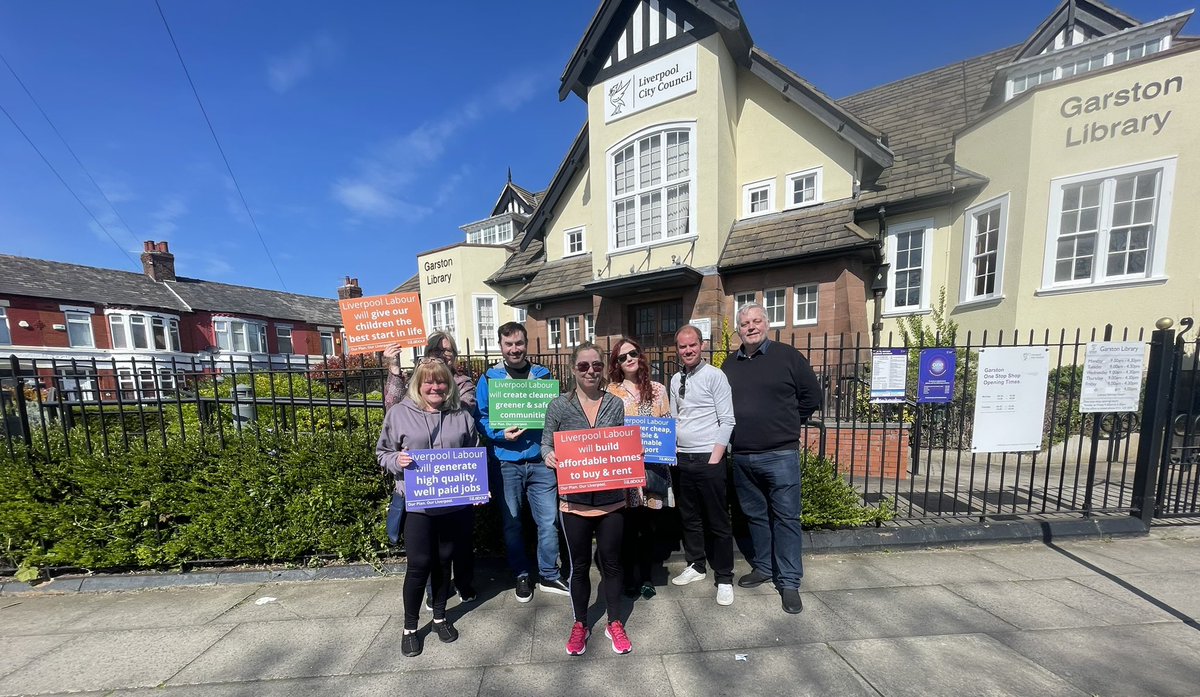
(556, 586)
(524, 589)
(754, 578)
(410, 645)
(467, 595)
(792, 604)
(445, 631)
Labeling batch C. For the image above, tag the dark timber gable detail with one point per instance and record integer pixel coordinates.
(1090, 17)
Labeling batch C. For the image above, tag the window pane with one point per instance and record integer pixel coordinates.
(806, 303)
(651, 216)
(623, 171)
(283, 336)
(623, 217)
(572, 331)
(804, 189)
(773, 303)
(221, 329)
(79, 329)
(239, 336)
(5, 332)
(650, 161)
(116, 326)
(677, 210)
(677, 154)
(173, 328)
(137, 329)
(327, 343)
(159, 326)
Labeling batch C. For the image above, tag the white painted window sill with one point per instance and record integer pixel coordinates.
(1111, 285)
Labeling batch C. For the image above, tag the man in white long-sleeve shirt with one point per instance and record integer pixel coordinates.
(702, 405)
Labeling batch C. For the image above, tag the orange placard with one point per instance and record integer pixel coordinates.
(374, 323)
(600, 458)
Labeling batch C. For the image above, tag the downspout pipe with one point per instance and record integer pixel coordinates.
(879, 281)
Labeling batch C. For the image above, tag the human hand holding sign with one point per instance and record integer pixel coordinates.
(513, 433)
(404, 459)
(551, 460)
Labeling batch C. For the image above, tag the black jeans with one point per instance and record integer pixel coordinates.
(608, 530)
(430, 542)
(645, 530)
(703, 505)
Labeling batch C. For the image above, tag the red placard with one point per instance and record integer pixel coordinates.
(599, 459)
(376, 322)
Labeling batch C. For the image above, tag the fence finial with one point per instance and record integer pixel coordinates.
(1165, 323)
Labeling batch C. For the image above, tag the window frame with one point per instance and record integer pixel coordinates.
(815, 301)
(971, 216)
(589, 327)
(635, 194)
(326, 335)
(230, 345)
(80, 317)
(553, 333)
(572, 325)
(781, 307)
(450, 304)
(279, 330)
(926, 226)
(5, 329)
(818, 185)
(1050, 67)
(739, 300)
(483, 338)
(581, 230)
(751, 188)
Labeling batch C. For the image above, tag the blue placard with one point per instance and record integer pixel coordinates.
(935, 382)
(658, 438)
(450, 477)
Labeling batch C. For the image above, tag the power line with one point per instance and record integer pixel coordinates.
(69, 149)
(221, 150)
(66, 185)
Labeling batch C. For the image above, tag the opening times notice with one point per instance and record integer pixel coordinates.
(1112, 376)
(1010, 399)
(599, 459)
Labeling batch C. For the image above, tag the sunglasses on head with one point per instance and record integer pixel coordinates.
(425, 360)
(583, 366)
(632, 353)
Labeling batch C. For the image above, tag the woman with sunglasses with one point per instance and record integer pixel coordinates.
(599, 514)
(439, 345)
(629, 379)
(429, 417)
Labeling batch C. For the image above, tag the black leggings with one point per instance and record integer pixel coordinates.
(608, 530)
(430, 542)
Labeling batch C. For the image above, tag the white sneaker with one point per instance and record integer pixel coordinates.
(724, 594)
(689, 575)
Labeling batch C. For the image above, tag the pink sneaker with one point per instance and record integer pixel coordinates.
(616, 632)
(577, 643)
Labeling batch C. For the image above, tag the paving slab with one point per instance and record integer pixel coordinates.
(108, 660)
(759, 621)
(1153, 555)
(814, 670)
(45, 614)
(966, 664)
(844, 571)
(1130, 661)
(160, 608)
(485, 638)
(284, 649)
(950, 566)
(632, 675)
(1054, 603)
(656, 626)
(293, 601)
(432, 683)
(1179, 590)
(909, 611)
(17, 651)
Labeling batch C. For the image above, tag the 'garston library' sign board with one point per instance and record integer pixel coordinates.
(374, 323)
(1105, 118)
(650, 84)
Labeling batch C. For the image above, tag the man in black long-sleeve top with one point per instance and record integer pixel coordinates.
(774, 392)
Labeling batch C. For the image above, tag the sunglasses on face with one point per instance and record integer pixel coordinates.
(584, 366)
(633, 353)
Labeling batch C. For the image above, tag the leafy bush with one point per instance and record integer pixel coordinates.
(830, 502)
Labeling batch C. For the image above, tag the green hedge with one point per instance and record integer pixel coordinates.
(260, 498)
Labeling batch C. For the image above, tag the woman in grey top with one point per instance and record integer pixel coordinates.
(583, 515)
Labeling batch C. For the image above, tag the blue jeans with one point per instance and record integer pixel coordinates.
(537, 483)
(768, 489)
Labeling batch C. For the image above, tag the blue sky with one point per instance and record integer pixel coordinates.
(361, 133)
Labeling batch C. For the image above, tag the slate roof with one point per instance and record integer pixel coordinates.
(412, 285)
(795, 233)
(40, 278)
(221, 297)
(522, 264)
(557, 279)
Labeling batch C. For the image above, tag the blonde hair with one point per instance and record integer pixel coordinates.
(439, 372)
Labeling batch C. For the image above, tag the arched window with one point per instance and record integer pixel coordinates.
(650, 187)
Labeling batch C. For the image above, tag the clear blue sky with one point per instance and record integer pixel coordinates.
(361, 133)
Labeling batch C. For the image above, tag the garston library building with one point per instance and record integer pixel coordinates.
(1033, 187)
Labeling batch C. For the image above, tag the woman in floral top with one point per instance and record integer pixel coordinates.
(629, 379)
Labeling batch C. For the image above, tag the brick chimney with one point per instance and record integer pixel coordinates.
(349, 289)
(157, 261)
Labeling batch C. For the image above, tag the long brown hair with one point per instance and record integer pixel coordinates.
(641, 378)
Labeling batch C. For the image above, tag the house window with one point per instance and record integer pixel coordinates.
(5, 333)
(240, 335)
(1075, 65)
(589, 327)
(743, 299)
(983, 251)
(441, 316)
(283, 339)
(1129, 53)
(519, 314)
(908, 272)
(574, 242)
(485, 320)
(806, 304)
(804, 188)
(758, 198)
(573, 331)
(775, 303)
(143, 331)
(1109, 227)
(77, 385)
(145, 383)
(79, 330)
(497, 233)
(650, 188)
(327, 343)
(554, 333)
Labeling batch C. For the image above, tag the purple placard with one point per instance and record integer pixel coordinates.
(440, 478)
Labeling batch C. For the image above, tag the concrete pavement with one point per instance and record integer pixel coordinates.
(1072, 618)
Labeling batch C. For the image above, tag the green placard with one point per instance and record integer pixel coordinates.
(520, 403)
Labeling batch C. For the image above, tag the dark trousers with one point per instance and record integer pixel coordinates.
(431, 542)
(702, 500)
(768, 489)
(608, 529)
(464, 555)
(645, 532)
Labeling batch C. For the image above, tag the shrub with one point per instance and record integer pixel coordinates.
(830, 502)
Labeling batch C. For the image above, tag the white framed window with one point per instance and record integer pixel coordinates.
(573, 242)
(650, 192)
(554, 333)
(1109, 227)
(573, 331)
(327, 343)
(983, 250)
(909, 255)
(775, 303)
(5, 332)
(283, 339)
(79, 329)
(1054, 67)
(145, 383)
(240, 336)
(441, 316)
(520, 314)
(804, 188)
(77, 385)
(805, 302)
(743, 299)
(485, 321)
(758, 198)
(589, 327)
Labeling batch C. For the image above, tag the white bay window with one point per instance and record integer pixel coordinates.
(240, 336)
